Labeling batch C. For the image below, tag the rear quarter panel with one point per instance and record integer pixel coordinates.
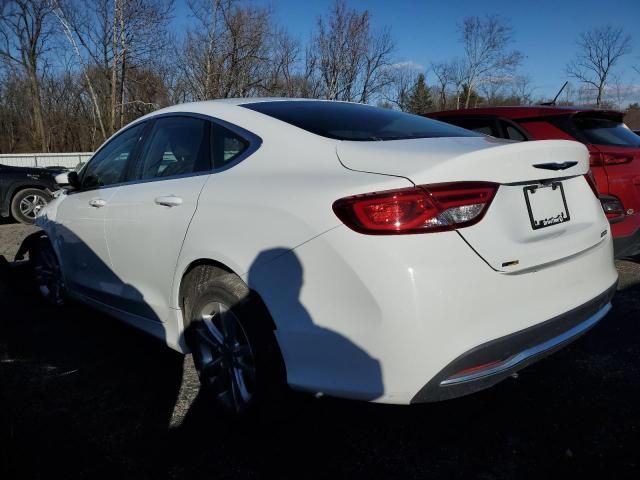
(273, 201)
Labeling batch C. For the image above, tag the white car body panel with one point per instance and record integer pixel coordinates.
(372, 317)
(139, 231)
(79, 235)
(437, 160)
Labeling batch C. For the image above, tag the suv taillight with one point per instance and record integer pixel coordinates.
(421, 209)
(597, 159)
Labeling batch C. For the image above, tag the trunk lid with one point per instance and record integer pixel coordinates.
(508, 238)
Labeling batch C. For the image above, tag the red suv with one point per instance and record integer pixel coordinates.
(614, 153)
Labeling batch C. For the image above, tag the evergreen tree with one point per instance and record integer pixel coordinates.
(474, 98)
(419, 99)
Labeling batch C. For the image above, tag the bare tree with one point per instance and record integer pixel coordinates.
(486, 41)
(444, 75)
(115, 37)
(350, 60)
(522, 90)
(494, 89)
(401, 76)
(458, 74)
(600, 50)
(68, 32)
(229, 50)
(25, 36)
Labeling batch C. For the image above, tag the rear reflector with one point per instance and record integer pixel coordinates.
(422, 209)
(612, 207)
(475, 369)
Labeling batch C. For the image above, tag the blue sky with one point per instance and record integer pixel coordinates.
(545, 31)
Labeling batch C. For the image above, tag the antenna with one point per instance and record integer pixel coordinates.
(553, 102)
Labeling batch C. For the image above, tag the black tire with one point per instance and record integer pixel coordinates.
(26, 203)
(234, 348)
(47, 275)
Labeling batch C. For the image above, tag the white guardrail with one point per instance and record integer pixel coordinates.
(68, 160)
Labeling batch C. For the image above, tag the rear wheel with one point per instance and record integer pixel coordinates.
(26, 204)
(234, 349)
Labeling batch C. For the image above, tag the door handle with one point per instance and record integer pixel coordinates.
(97, 202)
(169, 201)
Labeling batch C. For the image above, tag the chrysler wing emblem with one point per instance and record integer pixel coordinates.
(556, 165)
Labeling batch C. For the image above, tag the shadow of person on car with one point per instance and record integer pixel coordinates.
(126, 402)
(316, 356)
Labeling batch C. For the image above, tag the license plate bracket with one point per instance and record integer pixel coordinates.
(546, 204)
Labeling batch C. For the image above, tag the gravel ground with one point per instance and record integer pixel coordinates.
(84, 396)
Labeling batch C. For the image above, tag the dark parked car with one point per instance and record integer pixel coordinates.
(25, 190)
(614, 153)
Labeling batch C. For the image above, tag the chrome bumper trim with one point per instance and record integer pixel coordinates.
(514, 360)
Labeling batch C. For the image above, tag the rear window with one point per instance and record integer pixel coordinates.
(606, 131)
(353, 121)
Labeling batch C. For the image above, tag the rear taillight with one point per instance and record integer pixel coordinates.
(591, 180)
(422, 209)
(597, 159)
(612, 207)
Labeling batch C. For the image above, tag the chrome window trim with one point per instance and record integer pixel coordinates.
(253, 140)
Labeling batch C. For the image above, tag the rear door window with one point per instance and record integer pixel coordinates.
(176, 146)
(606, 131)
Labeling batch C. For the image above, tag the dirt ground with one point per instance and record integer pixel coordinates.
(83, 396)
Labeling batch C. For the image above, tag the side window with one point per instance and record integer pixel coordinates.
(513, 133)
(486, 126)
(226, 146)
(176, 146)
(108, 166)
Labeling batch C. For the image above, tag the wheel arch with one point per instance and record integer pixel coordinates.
(181, 286)
(14, 189)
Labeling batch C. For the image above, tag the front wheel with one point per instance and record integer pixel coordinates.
(234, 350)
(26, 204)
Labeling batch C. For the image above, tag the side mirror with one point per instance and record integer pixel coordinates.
(68, 180)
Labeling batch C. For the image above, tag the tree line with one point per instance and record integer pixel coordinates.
(72, 72)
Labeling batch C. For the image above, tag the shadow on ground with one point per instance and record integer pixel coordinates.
(84, 396)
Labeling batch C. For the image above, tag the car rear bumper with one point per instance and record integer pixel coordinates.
(629, 246)
(375, 318)
(504, 356)
(626, 236)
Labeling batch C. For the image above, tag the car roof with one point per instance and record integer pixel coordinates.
(248, 100)
(523, 111)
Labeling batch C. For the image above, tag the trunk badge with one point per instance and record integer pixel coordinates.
(556, 165)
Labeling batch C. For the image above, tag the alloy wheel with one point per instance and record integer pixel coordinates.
(31, 205)
(224, 357)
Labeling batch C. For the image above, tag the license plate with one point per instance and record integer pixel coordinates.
(547, 205)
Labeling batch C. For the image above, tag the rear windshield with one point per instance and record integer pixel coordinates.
(353, 121)
(606, 131)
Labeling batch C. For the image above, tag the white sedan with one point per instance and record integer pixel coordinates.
(338, 248)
